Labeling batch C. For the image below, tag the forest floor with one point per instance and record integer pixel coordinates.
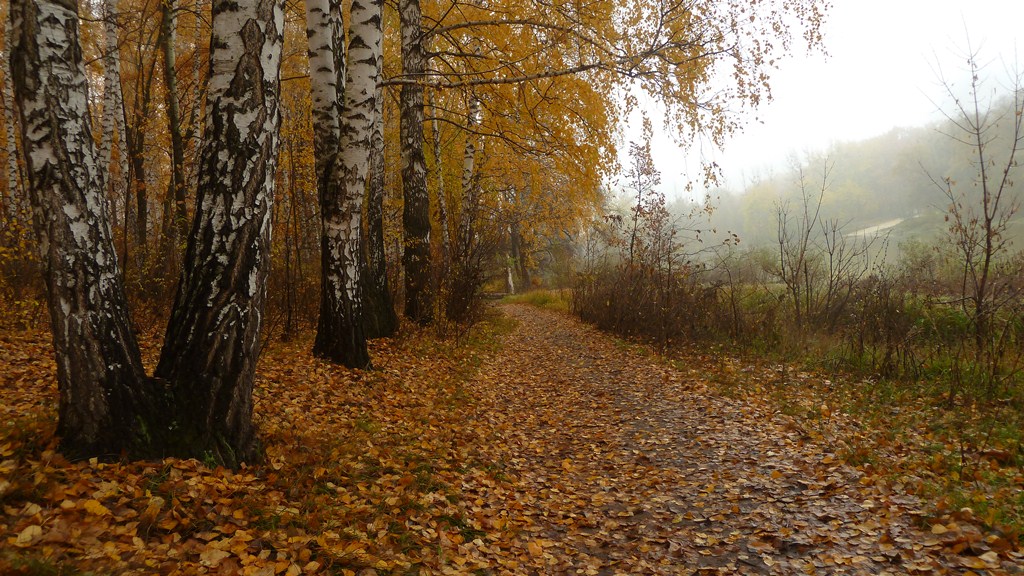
(537, 445)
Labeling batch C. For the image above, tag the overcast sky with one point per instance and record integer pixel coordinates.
(880, 73)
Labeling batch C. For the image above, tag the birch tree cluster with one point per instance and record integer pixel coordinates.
(224, 170)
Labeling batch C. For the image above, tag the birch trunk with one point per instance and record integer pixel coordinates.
(113, 107)
(469, 198)
(178, 228)
(419, 301)
(324, 87)
(14, 184)
(337, 30)
(213, 337)
(442, 199)
(379, 311)
(340, 334)
(106, 405)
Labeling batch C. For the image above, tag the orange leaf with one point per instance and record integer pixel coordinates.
(535, 548)
(95, 508)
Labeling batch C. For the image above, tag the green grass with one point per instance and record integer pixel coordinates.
(558, 300)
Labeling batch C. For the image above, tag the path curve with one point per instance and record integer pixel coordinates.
(609, 462)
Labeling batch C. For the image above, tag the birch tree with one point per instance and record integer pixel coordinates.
(325, 90)
(213, 337)
(419, 301)
(105, 401)
(340, 334)
(14, 175)
(113, 105)
(200, 404)
(379, 309)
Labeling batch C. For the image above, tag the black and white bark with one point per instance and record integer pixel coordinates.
(14, 176)
(325, 90)
(340, 334)
(337, 30)
(112, 122)
(379, 308)
(106, 405)
(419, 299)
(213, 336)
(442, 193)
(470, 199)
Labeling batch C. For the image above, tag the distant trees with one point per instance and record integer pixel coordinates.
(520, 62)
(818, 260)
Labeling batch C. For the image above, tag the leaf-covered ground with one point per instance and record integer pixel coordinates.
(556, 452)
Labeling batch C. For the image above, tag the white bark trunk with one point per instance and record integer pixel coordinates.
(469, 198)
(324, 87)
(419, 299)
(379, 311)
(340, 334)
(98, 364)
(213, 337)
(112, 123)
(14, 184)
(442, 194)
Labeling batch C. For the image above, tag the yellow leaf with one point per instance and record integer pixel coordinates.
(95, 508)
(212, 557)
(28, 535)
(939, 529)
(535, 548)
(990, 557)
(973, 562)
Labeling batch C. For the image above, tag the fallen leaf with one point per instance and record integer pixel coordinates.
(28, 536)
(95, 508)
(211, 557)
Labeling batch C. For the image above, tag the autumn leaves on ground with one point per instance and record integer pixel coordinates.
(535, 445)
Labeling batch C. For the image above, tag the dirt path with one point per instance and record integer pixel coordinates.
(615, 464)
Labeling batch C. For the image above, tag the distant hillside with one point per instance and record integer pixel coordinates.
(890, 179)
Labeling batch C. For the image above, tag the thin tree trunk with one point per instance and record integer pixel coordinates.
(14, 180)
(324, 93)
(289, 242)
(106, 404)
(419, 301)
(467, 221)
(136, 148)
(113, 106)
(199, 86)
(379, 309)
(176, 232)
(442, 200)
(212, 340)
(519, 255)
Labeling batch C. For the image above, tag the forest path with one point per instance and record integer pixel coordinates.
(620, 464)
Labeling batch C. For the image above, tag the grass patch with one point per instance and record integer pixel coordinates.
(557, 300)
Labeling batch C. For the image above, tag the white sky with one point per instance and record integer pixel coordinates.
(880, 73)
